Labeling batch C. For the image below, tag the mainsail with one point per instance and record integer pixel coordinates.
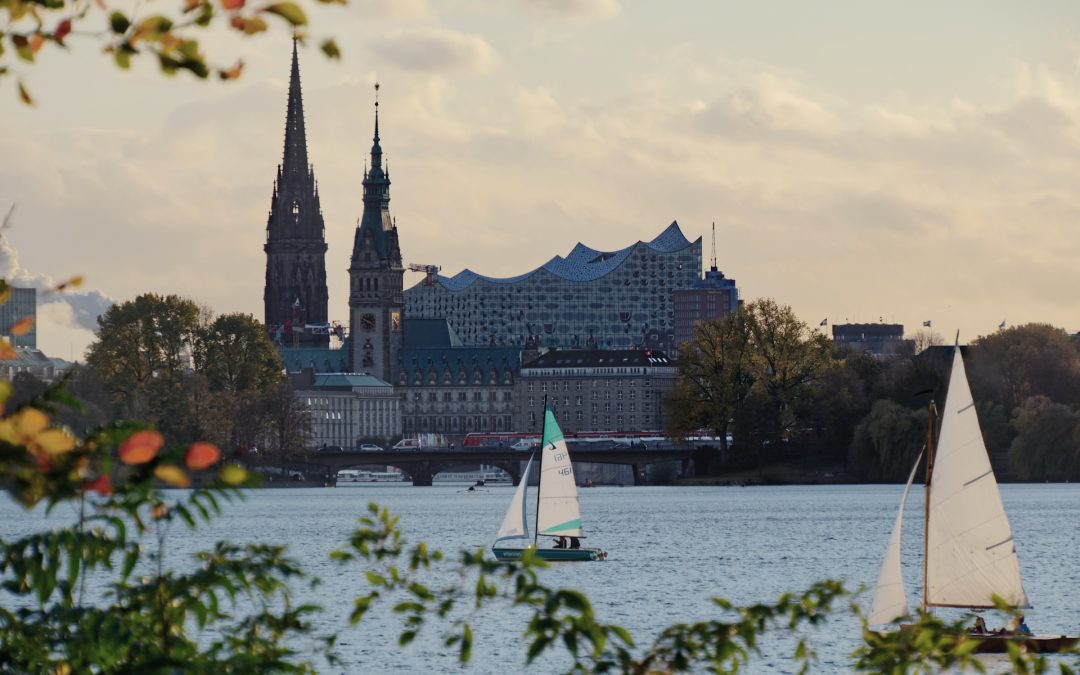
(890, 599)
(970, 552)
(515, 525)
(558, 513)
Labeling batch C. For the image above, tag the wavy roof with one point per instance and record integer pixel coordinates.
(581, 264)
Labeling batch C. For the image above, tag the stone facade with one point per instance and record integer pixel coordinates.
(595, 390)
(710, 298)
(346, 407)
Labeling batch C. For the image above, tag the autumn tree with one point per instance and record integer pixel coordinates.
(887, 441)
(1014, 364)
(1047, 443)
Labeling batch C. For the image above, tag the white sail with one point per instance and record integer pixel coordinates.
(515, 524)
(558, 513)
(890, 598)
(970, 552)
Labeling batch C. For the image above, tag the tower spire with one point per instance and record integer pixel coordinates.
(376, 149)
(295, 160)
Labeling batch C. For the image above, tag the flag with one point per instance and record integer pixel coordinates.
(1001, 326)
(926, 324)
(824, 322)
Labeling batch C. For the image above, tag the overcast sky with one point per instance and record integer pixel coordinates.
(862, 160)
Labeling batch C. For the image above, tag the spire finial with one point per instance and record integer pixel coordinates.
(376, 112)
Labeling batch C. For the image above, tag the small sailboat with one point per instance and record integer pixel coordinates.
(558, 514)
(968, 551)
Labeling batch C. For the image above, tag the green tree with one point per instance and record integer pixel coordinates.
(716, 373)
(887, 441)
(1012, 365)
(1047, 443)
(142, 352)
(236, 355)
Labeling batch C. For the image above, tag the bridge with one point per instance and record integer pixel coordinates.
(422, 465)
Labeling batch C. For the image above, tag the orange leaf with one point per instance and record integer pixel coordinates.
(73, 282)
(44, 464)
(173, 475)
(141, 447)
(232, 73)
(36, 40)
(201, 455)
(101, 485)
(232, 4)
(23, 326)
(159, 511)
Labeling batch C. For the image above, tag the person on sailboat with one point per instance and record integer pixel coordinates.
(575, 542)
(980, 627)
(1018, 626)
(560, 542)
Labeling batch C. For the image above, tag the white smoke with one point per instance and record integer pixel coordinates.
(73, 310)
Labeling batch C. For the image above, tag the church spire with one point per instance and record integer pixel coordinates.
(295, 160)
(376, 149)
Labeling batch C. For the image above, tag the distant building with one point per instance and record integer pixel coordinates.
(346, 407)
(708, 299)
(595, 390)
(451, 389)
(21, 304)
(588, 299)
(883, 340)
(34, 362)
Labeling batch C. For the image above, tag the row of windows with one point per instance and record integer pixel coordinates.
(544, 387)
(630, 407)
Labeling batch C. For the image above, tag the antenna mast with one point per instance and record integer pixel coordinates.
(713, 261)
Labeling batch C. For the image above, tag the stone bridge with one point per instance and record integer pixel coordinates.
(422, 465)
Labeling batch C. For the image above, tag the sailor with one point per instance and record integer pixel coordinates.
(980, 626)
(575, 542)
(560, 542)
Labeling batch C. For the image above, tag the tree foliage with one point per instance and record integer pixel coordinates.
(124, 33)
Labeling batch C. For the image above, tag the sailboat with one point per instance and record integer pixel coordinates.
(968, 550)
(557, 510)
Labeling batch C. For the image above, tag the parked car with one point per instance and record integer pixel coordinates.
(370, 447)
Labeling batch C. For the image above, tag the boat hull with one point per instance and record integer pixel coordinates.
(552, 554)
(1040, 644)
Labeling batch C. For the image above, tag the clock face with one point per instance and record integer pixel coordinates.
(367, 322)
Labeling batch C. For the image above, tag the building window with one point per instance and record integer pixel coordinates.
(577, 401)
(577, 416)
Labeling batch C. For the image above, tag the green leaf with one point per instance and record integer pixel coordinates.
(119, 23)
(289, 11)
(330, 48)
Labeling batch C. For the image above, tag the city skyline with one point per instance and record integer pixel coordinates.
(860, 162)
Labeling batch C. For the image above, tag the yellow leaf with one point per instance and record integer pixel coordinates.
(29, 422)
(73, 282)
(233, 475)
(5, 390)
(289, 11)
(22, 326)
(173, 475)
(54, 442)
(7, 352)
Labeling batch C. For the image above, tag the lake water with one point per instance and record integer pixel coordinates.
(671, 549)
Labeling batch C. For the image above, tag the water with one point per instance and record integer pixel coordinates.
(671, 550)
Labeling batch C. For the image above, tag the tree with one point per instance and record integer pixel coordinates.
(236, 355)
(142, 349)
(33, 25)
(887, 442)
(1012, 365)
(1047, 443)
(716, 373)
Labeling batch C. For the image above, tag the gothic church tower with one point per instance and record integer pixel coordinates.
(376, 276)
(295, 293)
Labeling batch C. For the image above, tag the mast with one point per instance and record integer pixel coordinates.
(540, 472)
(926, 513)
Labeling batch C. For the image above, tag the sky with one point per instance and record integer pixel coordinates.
(862, 161)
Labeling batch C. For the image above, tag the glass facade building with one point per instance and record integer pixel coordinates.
(21, 304)
(587, 299)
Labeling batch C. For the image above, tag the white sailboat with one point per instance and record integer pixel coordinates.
(968, 553)
(558, 512)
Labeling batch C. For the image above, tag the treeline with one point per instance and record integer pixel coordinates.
(785, 392)
(193, 375)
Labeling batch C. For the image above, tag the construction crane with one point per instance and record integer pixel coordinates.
(429, 270)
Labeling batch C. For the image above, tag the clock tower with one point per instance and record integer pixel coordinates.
(376, 275)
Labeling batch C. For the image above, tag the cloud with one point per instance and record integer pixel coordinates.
(393, 9)
(435, 50)
(75, 310)
(767, 108)
(588, 10)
